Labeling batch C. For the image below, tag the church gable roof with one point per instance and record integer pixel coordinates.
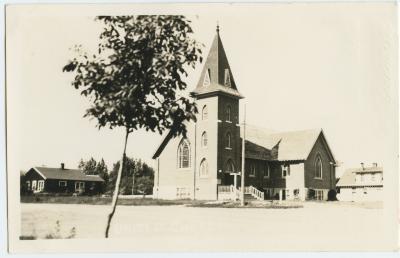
(282, 146)
(216, 75)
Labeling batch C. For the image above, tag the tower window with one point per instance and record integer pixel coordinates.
(227, 80)
(207, 78)
(204, 113)
(204, 139)
(228, 113)
(228, 140)
(318, 167)
(230, 167)
(204, 168)
(184, 154)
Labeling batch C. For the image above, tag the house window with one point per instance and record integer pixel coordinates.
(80, 186)
(252, 170)
(285, 171)
(227, 78)
(228, 114)
(228, 140)
(62, 183)
(266, 171)
(318, 167)
(28, 185)
(184, 154)
(34, 182)
(207, 78)
(204, 139)
(204, 168)
(40, 185)
(230, 167)
(204, 113)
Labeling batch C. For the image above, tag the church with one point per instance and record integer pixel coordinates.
(206, 164)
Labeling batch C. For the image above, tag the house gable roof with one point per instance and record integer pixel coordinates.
(349, 177)
(66, 174)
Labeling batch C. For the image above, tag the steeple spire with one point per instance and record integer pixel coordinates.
(216, 75)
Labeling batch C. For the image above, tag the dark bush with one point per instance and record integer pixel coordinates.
(332, 195)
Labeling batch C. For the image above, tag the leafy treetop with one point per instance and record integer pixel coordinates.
(136, 75)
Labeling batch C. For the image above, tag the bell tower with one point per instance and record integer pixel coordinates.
(217, 129)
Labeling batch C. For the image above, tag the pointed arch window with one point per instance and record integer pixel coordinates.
(204, 139)
(228, 112)
(207, 79)
(229, 167)
(318, 167)
(227, 80)
(184, 154)
(228, 140)
(203, 168)
(204, 113)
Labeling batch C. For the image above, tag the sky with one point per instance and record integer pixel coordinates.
(299, 66)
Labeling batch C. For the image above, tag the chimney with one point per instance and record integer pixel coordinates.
(62, 166)
(375, 165)
(362, 165)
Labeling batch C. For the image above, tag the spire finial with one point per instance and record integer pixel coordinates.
(217, 27)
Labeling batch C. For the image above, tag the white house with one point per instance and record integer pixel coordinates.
(361, 184)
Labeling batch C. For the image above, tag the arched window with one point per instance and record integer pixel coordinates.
(227, 78)
(228, 113)
(184, 154)
(318, 167)
(230, 167)
(228, 140)
(204, 113)
(204, 139)
(207, 78)
(203, 168)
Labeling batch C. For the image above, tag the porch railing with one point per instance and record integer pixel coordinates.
(230, 192)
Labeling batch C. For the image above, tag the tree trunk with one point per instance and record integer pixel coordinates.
(117, 186)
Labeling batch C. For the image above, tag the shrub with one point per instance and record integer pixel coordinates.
(332, 195)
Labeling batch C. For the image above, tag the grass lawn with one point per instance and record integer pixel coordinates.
(183, 228)
(97, 200)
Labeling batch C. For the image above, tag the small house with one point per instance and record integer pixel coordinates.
(361, 184)
(62, 180)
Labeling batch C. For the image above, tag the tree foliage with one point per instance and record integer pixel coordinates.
(134, 78)
(143, 173)
(93, 167)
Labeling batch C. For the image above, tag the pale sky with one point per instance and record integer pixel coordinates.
(299, 66)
